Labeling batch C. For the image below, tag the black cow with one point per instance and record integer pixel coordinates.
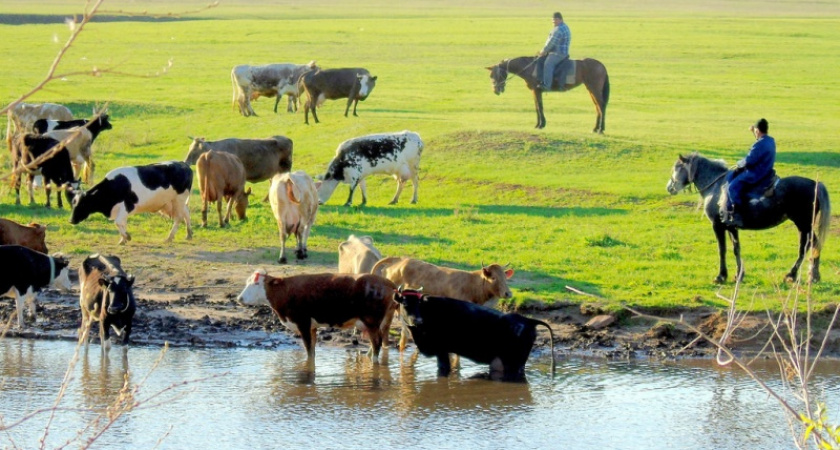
(23, 272)
(55, 169)
(106, 295)
(441, 325)
(329, 84)
(125, 191)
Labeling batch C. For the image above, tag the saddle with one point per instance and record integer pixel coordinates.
(564, 73)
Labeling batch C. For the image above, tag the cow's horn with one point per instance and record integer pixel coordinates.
(506, 266)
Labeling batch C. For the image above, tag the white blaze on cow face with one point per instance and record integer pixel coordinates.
(254, 292)
(364, 89)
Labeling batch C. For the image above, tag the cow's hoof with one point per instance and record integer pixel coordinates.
(348, 204)
(282, 260)
(392, 202)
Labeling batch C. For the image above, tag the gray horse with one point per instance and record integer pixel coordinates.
(793, 198)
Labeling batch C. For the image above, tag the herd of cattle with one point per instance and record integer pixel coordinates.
(45, 139)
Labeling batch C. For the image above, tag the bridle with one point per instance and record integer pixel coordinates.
(509, 74)
(690, 171)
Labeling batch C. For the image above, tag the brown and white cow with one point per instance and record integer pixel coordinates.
(23, 116)
(30, 236)
(354, 84)
(357, 255)
(305, 303)
(262, 158)
(294, 201)
(221, 176)
(270, 80)
(479, 286)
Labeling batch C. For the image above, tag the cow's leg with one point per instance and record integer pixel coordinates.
(444, 368)
(104, 332)
(355, 104)
(204, 207)
(282, 258)
(19, 302)
(31, 300)
(308, 335)
(349, 201)
(223, 220)
(48, 192)
(121, 221)
(363, 185)
(17, 188)
(185, 213)
(299, 242)
(276, 102)
(375, 336)
(401, 179)
(176, 221)
(31, 187)
(90, 167)
(306, 107)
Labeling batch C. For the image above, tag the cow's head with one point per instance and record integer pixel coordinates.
(254, 292)
(119, 294)
(410, 301)
(61, 273)
(70, 189)
(241, 203)
(79, 202)
(103, 122)
(197, 147)
(366, 85)
(495, 278)
(326, 184)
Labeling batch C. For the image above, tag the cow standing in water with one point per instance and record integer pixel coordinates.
(23, 272)
(106, 295)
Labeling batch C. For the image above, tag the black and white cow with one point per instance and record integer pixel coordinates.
(56, 169)
(106, 295)
(396, 154)
(354, 84)
(163, 187)
(441, 325)
(23, 272)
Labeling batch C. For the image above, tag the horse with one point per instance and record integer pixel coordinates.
(793, 198)
(589, 72)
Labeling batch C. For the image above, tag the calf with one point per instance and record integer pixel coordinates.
(396, 154)
(270, 80)
(23, 272)
(222, 176)
(22, 117)
(30, 236)
(54, 166)
(441, 325)
(42, 126)
(479, 286)
(306, 302)
(163, 187)
(79, 141)
(353, 84)
(294, 201)
(262, 158)
(106, 295)
(357, 255)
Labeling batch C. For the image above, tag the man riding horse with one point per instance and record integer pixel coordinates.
(754, 171)
(555, 51)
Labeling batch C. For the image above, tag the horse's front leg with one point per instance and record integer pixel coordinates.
(720, 231)
(538, 105)
(803, 244)
(736, 250)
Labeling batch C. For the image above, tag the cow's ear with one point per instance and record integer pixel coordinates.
(248, 191)
(374, 78)
(130, 279)
(490, 68)
(683, 158)
(487, 273)
(508, 273)
(104, 281)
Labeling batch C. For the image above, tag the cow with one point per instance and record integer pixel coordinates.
(125, 191)
(106, 295)
(54, 166)
(395, 154)
(24, 271)
(305, 303)
(480, 286)
(22, 117)
(262, 158)
(442, 325)
(270, 80)
(221, 176)
(357, 255)
(30, 236)
(330, 84)
(294, 202)
(79, 140)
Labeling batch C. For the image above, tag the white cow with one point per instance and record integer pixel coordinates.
(357, 255)
(23, 116)
(395, 154)
(270, 80)
(294, 201)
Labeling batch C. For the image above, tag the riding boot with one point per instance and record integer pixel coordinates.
(732, 218)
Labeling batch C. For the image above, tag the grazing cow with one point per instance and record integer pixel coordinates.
(479, 286)
(441, 325)
(30, 236)
(294, 201)
(306, 302)
(262, 158)
(357, 255)
(125, 191)
(106, 295)
(221, 176)
(23, 116)
(395, 154)
(270, 80)
(23, 272)
(330, 84)
(79, 140)
(55, 169)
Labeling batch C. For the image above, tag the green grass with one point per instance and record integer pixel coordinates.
(563, 206)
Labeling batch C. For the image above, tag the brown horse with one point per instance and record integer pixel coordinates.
(589, 72)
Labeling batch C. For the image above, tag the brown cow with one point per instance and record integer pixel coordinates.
(306, 302)
(329, 84)
(262, 158)
(479, 286)
(221, 176)
(30, 236)
(357, 255)
(294, 201)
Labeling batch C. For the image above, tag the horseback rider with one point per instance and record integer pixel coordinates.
(555, 50)
(754, 170)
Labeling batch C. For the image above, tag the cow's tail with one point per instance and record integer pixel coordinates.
(235, 91)
(551, 341)
(384, 263)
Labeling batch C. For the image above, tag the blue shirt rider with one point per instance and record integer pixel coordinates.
(555, 50)
(754, 170)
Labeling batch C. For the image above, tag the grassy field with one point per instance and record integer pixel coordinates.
(563, 206)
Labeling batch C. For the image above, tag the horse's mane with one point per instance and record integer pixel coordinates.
(715, 162)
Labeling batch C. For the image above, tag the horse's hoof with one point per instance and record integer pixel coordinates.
(720, 279)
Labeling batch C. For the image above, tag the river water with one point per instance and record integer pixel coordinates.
(258, 399)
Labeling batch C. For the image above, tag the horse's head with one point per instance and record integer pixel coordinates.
(498, 74)
(680, 175)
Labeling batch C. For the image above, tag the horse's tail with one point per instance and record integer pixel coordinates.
(824, 210)
(606, 92)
